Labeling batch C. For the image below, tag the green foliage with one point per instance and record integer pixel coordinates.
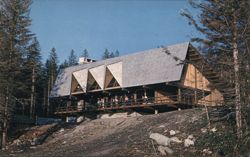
(225, 42)
(34, 56)
(117, 53)
(51, 66)
(221, 23)
(65, 64)
(108, 54)
(112, 55)
(85, 53)
(72, 60)
(32, 60)
(15, 38)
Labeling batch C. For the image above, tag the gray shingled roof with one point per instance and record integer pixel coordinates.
(142, 68)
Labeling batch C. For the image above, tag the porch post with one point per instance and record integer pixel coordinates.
(195, 96)
(67, 119)
(135, 97)
(179, 95)
(145, 93)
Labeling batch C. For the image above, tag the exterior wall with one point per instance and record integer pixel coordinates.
(160, 96)
(213, 99)
(195, 79)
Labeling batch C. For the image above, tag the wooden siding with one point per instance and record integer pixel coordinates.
(213, 99)
(161, 95)
(195, 79)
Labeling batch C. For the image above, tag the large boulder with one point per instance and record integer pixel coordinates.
(175, 140)
(160, 139)
(165, 150)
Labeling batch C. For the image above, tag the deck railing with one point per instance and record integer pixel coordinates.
(134, 103)
(67, 109)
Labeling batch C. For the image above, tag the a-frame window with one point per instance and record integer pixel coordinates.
(75, 86)
(113, 83)
(110, 80)
(92, 84)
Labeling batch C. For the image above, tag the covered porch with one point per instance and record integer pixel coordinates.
(152, 96)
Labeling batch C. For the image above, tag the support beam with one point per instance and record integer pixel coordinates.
(125, 89)
(146, 87)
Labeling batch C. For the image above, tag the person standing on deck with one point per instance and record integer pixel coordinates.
(102, 102)
(126, 100)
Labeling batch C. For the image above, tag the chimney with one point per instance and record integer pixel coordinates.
(84, 60)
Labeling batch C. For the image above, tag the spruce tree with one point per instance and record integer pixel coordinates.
(51, 74)
(65, 64)
(106, 54)
(117, 53)
(41, 91)
(14, 38)
(52, 66)
(225, 25)
(111, 55)
(72, 60)
(85, 53)
(34, 67)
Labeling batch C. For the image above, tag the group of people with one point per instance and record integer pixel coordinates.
(103, 102)
(120, 100)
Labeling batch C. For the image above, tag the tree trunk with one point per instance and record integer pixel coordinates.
(4, 134)
(32, 101)
(48, 103)
(52, 79)
(4, 130)
(44, 100)
(236, 65)
(237, 90)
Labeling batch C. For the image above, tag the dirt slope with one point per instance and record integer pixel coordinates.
(128, 137)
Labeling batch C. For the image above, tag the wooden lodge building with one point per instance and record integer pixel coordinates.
(175, 76)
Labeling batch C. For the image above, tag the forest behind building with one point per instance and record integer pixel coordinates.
(26, 79)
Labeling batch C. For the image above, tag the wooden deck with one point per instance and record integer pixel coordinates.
(172, 101)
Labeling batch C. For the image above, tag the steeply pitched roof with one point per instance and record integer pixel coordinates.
(142, 68)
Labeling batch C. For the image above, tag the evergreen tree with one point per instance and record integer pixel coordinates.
(112, 55)
(117, 53)
(106, 54)
(14, 39)
(72, 60)
(51, 66)
(224, 25)
(65, 64)
(34, 67)
(85, 53)
(41, 91)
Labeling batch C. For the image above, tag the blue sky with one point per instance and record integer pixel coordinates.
(126, 25)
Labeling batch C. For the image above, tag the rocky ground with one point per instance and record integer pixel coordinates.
(177, 133)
